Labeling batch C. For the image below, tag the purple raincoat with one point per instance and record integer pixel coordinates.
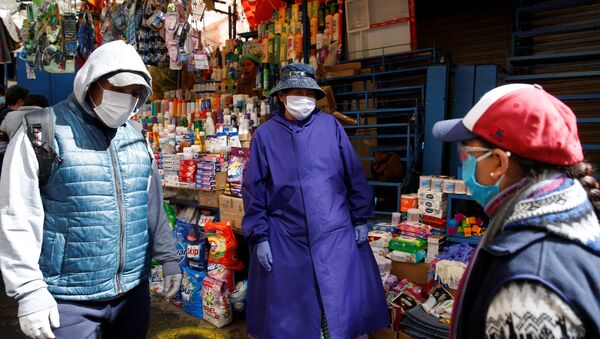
(304, 190)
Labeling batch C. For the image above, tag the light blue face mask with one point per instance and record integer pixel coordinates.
(483, 194)
(2, 100)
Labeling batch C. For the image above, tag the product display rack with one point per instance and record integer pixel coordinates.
(192, 197)
(387, 99)
(556, 44)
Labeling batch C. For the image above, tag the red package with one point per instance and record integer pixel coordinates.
(223, 245)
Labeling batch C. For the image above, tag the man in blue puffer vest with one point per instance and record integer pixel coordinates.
(76, 252)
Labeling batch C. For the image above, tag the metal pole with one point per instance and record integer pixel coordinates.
(233, 21)
(305, 32)
(229, 20)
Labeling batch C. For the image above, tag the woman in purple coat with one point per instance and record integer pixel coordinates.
(307, 202)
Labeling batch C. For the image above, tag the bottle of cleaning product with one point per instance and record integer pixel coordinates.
(337, 23)
(209, 126)
(314, 29)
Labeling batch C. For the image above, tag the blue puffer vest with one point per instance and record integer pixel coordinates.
(96, 241)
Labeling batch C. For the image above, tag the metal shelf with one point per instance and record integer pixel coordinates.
(588, 120)
(563, 21)
(578, 97)
(554, 57)
(379, 136)
(395, 110)
(379, 112)
(558, 30)
(564, 75)
(190, 203)
(384, 91)
(385, 183)
(372, 76)
(553, 5)
(376, 126)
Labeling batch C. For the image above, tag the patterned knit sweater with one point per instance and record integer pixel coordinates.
(526, 309)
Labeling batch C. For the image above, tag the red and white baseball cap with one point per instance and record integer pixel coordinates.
(523, 119)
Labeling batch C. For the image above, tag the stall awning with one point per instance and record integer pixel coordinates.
(258, 11)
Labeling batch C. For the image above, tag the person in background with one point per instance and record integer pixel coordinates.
(2, 96)
(307, 201)
(13, 120)
(247, 82)
(76, 252)
(535, 273)
(15, 98)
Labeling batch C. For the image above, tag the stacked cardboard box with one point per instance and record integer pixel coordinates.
(170, 167)
(434, 244)
(231, 210)
(432, 203)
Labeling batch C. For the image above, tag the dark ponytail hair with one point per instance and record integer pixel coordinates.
(582, 171)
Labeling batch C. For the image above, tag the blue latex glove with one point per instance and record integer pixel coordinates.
(361, 232)
(263, 251)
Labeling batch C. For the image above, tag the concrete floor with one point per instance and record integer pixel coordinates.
(166, 322)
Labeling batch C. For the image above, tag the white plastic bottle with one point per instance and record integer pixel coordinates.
(209, 127)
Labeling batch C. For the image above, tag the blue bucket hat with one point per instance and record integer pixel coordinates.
(298, 76)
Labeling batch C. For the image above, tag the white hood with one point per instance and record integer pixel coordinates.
(115, 56)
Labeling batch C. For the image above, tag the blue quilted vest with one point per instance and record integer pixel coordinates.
(568, 269)
(96, 243)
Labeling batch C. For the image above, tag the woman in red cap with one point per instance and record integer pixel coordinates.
(535, 273)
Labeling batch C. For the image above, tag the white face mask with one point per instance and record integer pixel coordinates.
(300, 107)
(116, 108)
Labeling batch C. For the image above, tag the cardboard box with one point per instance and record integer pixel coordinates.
(342, 67)
(234, 220)
(436, 239)
(327, 103)
(436, 204)
(432, 212)
(231, 209)
(209, 198)
(417, 273)
(220, 179)
(425, 194)
(229, 204)
(386, 333)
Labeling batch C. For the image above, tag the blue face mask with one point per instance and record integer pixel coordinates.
(481, 193)
(2, 100)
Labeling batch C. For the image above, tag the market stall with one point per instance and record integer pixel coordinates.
(211, 93)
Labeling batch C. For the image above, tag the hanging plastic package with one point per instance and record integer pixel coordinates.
(156, 20)
(70, 34)
(118, 17)
(191, 291)
(135, 19)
